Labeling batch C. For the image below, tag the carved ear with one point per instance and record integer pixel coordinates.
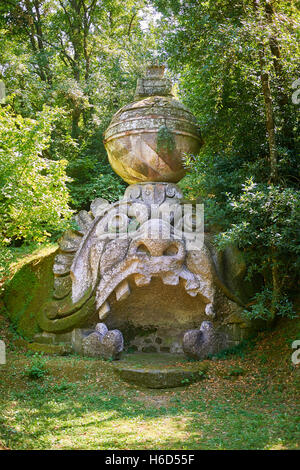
(68, 245)
(85, 266)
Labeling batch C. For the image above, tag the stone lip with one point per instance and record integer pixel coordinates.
(159, 370)
(159, 378)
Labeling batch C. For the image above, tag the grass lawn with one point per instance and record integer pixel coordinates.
(246, 401)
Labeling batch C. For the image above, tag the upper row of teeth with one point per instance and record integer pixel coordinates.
(122, 291)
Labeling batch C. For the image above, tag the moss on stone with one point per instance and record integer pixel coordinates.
(28, 289)
(50, 349)
(159, 370)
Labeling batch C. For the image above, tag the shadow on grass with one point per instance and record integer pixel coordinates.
(68, 417)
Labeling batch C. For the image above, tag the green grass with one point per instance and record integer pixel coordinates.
(81, 404)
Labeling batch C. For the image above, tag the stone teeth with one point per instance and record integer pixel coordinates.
(210, 311)
(104, 310)
(142, 280)
(170, 279)
(192, 293)
(122, 291)
(191, 285)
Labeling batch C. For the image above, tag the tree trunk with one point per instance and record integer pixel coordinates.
(76, 113)
(275, 283)
(270, 125)
(283, 98)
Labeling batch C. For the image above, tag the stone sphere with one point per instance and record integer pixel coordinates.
(147, 139)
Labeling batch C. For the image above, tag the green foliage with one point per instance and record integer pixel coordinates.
(261, 306)
(37, 369)
(241, 350)
(107, 185)
(214, 51)
(266, 225)
(223, 52)
(266, 216)
(33, 192)
(83, 57)
(234, 371)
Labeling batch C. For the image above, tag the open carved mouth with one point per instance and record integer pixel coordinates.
(119, 285)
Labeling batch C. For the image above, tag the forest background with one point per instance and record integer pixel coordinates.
(68, 65)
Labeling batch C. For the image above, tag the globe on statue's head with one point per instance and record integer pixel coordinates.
(147, 139)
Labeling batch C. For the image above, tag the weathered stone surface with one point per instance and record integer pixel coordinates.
(62, 263)
(232, 270)
(148, 279)
(103, 343)
(84, 220)
(153, 84)
(74, 315)
(98, 206)
(199, 344)
(159, 378)
(101, 328)
(122, 291)
(62, 286)
(28, 290)
(115, 252)
(77, 336)
(91, 345)
(104, 311)
(112, 344)
(2, 353)
(158, 370)
(44, 338)
(70, 241)
(51, 349)
(146, 140)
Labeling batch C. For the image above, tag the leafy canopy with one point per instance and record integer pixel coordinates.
(33, 193)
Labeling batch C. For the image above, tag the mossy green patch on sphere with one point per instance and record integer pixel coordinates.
(165, 140)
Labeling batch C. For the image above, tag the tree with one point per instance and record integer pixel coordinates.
(236, 62)
(83, 56)
(33, 193)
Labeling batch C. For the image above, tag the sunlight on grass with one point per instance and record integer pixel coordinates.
(81, 404)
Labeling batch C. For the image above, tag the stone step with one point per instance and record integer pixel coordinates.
(159, 370)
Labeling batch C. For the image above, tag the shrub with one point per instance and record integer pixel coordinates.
(37, 368)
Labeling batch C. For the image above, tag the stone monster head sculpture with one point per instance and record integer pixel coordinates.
(144, 236)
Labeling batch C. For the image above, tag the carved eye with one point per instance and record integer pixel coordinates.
(118, 222)
(143, 249)
(171, 250)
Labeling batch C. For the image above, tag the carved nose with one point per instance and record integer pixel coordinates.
(158, 247)
(155, 240)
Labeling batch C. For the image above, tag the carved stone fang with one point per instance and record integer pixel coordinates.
(170, 279)
(122, 291)
(104, 311)
(210, 311)
(192, 293)
(142, 280)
